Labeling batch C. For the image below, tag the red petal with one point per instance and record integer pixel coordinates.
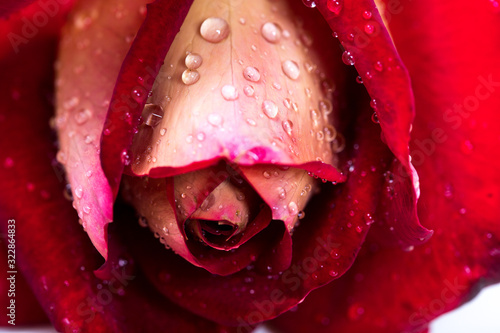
(387, 82)
(51, 249)
(324, 247)
(135, 81)
(393, 291)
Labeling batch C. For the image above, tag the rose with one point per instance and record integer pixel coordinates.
(71, 291)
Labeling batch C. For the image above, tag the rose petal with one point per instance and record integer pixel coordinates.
(187, 123)
(102, 34)
(52, 251)
(135, 80)
(387, 82)
(460, 204)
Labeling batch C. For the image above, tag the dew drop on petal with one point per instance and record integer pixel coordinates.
(190, 76)
(293, 209)
(229, 92)
(214, 29)
(249, 90)
(193, 61)
(334, 6)
(79, 191)
(367, 15)
(325, 106)
(251, 122)
(271, 32)
(287, 126)
(215, 119)
(152, 114)
(378, 66)
(82, 116)
(251, 74)
(347, 58)
(281, 193)
(270, 109)
(330, 133)
(291, 69)
(369, 28)
(309, 3)
(375, 118)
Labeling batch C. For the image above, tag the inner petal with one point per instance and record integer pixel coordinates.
(253, 90)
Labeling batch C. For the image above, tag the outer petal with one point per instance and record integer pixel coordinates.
(51, 249)
(387, 82)
(101, 32)
(457, 124)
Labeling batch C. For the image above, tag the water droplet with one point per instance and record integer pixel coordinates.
(276, 86)
(271, 32)
(189, 138)
(143, 222)
(200, 136)
(287, 126)
(251, 122)
(79, 191)
(378, 66)
(375, 118)
(214, 29)
(291, 69)
(325, 106)
(193, 61)
(462, 211)
(152, 114)
(61, 157)
(86, 209)
(330, 133)
(355, 312)
(301, 215)
(229, 92)
(240, 196)
(367, 15)
(359, 79)
(266, 174)
(347, 58)
(293, 209)
(373, 104)
(309, 3)
(334, 6)
(320, 135)
(270, 109)
(249, 90)
(251, 74)
(281, 193)
(369, 28)
(163, 131)
(82, 116)
(242, 20)
(215, 119)
(190, 76)
(466, 147)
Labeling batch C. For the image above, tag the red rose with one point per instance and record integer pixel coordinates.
(223, 149)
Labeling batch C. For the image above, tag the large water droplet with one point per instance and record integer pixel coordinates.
(214, 29)
(190, 76)
(229, 92)
(281, 193)
(270, 109)
(291, 69)
(251, 74)
(193, 61)
(152, 114)
(347, 58)
(271, 32)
